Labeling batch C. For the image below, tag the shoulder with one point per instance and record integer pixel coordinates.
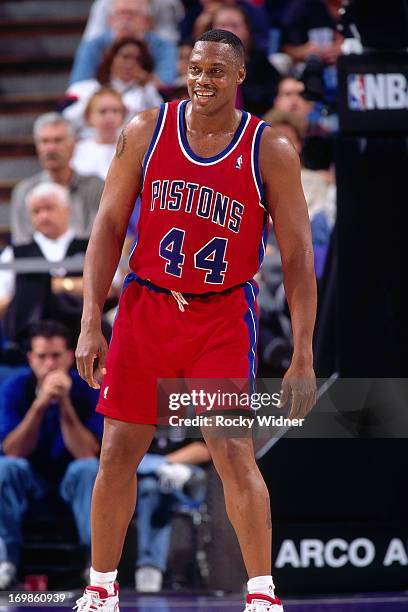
(138, 133)
(277, 149)
(14, 385)
(7, 254)
(88, 183)
(26, 184)
(83, 88)
(98, 42)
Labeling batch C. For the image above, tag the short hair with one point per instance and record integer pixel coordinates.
(48, 188)
(104, 91)
(226, 38)
(51, 119)
(49, 329)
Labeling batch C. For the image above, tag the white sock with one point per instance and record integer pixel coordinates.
(263, 585)
(105, 580)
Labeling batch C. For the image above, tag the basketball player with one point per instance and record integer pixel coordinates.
(209, 175)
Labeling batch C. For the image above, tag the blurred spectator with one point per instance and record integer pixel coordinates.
(35, 296)
(309, 28)
(318, 187)
(169, 474)
(257, 92)
(200, 16)
(50, 438)
(105, 113)
(289, 99)
(166, 16)
(184, 52)
(298, 97)
(178, 89)
(127, 67)
(128, 18)
(54, 140)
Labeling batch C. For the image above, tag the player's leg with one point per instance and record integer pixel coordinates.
(248, 508)
(114, 496)
(246, 499)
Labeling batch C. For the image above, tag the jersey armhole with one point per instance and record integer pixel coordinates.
(256, 173)
(161, 119)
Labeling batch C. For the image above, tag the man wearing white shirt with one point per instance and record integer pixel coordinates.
(29, 297)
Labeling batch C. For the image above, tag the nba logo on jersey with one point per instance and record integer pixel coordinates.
(238, 163)
(356, 92)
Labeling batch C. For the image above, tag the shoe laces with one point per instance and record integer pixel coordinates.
(89, 603)
(259, 607)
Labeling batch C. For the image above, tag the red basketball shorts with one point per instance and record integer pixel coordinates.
(214, 338)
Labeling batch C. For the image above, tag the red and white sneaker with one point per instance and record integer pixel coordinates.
(263, 603)
(97, 599)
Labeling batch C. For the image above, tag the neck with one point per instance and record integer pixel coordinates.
(224, 121)
(54, 236)
(61, 175)
(106, 139)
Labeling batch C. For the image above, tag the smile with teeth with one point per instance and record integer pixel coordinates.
(204, 94)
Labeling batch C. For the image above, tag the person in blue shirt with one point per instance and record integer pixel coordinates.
(127, 18)
(50, 438)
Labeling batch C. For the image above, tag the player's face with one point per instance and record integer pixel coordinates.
(48, 355)
(214, 72)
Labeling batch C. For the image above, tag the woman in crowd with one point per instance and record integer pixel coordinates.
(105, 114)
(127, 67)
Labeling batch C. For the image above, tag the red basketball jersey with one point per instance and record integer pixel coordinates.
(202, 225)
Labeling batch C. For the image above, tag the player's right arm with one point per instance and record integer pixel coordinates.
(122, 186)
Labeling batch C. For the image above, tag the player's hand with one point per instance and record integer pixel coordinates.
(299, 386)
(91, 345)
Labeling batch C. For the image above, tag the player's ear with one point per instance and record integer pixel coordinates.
(241, 74)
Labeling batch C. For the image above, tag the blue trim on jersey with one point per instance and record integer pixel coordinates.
(251, 319)
(256, 161)
(128, 279)
(264, 239)
(154, 138)
(207, 160)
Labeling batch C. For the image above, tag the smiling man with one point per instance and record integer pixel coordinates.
(211, 176)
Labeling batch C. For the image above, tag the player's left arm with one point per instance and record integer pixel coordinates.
(280, 172)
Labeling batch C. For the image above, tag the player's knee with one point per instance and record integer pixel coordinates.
(117, 465)
(233, 458)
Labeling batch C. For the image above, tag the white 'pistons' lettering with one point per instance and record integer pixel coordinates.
(177, 195)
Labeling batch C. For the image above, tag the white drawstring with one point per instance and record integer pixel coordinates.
(180, 299)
